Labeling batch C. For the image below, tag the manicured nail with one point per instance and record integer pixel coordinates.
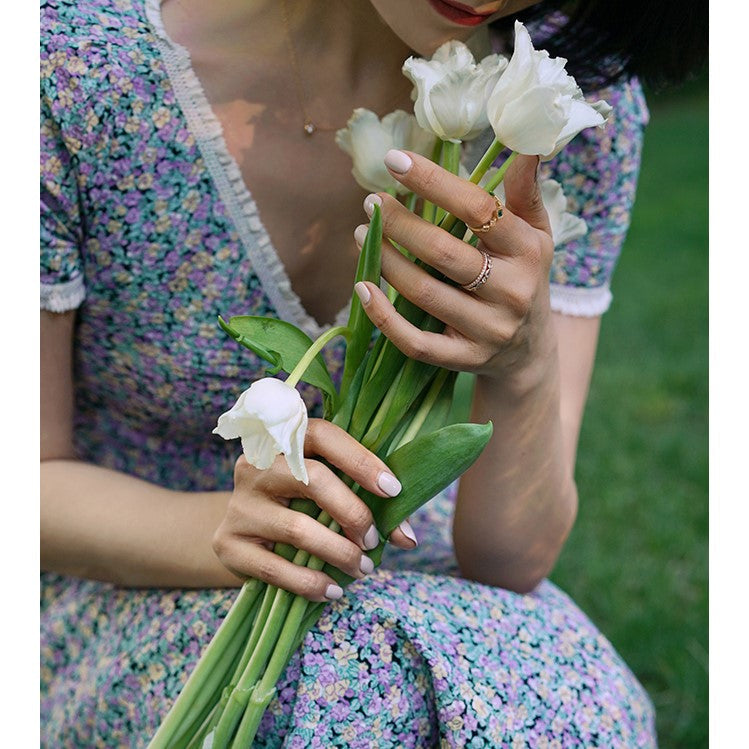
(366, 565)
(389, 484)
(333, 592)
(398, 161)
(360, 234)
(370, 202)
(362, 292)
(408, 532)
(371, 538)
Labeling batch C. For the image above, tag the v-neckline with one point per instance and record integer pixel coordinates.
(227, 177)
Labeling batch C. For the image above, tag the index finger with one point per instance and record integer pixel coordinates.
(343, 451)
(470, 203)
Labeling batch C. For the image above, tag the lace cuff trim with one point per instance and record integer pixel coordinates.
(580, 301)
(227, 177)
(61, 297)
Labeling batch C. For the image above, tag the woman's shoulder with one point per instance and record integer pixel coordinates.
(94, 44)
(87, 24)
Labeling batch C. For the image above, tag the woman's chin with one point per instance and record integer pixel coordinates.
(418, 26)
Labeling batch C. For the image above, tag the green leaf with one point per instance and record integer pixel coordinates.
(282, 345)
(373, 391)
(414, 380)
(440, 414)
(425, 466)
(359, 324)
(342, 417)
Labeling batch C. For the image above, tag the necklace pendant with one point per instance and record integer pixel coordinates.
(309, 128)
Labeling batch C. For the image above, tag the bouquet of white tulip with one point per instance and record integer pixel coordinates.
(395, 406)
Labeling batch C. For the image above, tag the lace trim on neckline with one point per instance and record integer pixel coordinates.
(233, 191)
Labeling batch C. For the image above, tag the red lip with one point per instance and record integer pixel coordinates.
(459, 13)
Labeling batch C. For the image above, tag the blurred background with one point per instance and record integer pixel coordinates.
(636, 561)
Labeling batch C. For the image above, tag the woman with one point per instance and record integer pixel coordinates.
(189, 169)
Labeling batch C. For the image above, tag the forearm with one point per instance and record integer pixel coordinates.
(105, 525)
(518, 502)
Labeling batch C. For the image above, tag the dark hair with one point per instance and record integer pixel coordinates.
(661, 41)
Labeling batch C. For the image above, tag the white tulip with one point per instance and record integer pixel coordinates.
(367, 139)
(537, 107)
(271, 419)
(451, 90)
(565, 226)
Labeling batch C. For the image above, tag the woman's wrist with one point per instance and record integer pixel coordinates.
(529, 364)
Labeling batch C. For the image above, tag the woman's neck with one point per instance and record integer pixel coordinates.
(337, 52)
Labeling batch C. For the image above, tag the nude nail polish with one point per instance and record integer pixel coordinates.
(398, 161)
(362, 292)
(389, 484)
(366, 566)
(408, 532)
(333, 592)
(370, 202)
(371, 538)
(360, 234)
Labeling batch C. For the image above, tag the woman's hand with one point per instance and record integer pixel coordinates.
(258, 515)
(503, 325)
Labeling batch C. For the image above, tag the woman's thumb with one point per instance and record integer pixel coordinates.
(522, 192)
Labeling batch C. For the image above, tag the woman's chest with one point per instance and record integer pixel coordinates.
(306, 198)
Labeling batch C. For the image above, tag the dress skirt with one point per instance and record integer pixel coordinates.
(411, 656)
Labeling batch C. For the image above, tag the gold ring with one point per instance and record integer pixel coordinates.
(496, 215)
(480, 280)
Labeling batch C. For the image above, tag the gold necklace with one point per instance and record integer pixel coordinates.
(309, 126)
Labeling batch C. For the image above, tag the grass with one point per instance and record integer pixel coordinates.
(637, 559)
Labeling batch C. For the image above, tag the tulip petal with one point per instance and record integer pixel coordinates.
(270, 418)
(581, 115)
(531, 123)
(260, 449)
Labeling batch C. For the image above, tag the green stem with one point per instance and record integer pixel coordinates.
(257, 629)
(313, 351)
(451, 162)
(212, 689)
(239, 696)
(487, 160)
(266, 644)
(192, 691)
(451, 156)
(382, 411)
(264, 690)
(429, 400)
(500, 175)
(411, 201)
(449, 221)
(428, 209)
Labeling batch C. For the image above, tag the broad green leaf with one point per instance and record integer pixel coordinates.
(425, 466)
(282, 345)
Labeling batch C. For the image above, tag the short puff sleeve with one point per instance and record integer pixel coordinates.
(61, 266)
(598, 173)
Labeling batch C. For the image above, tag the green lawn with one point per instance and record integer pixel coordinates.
(637, 559)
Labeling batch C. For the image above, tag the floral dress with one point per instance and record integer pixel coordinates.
(149, 232)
